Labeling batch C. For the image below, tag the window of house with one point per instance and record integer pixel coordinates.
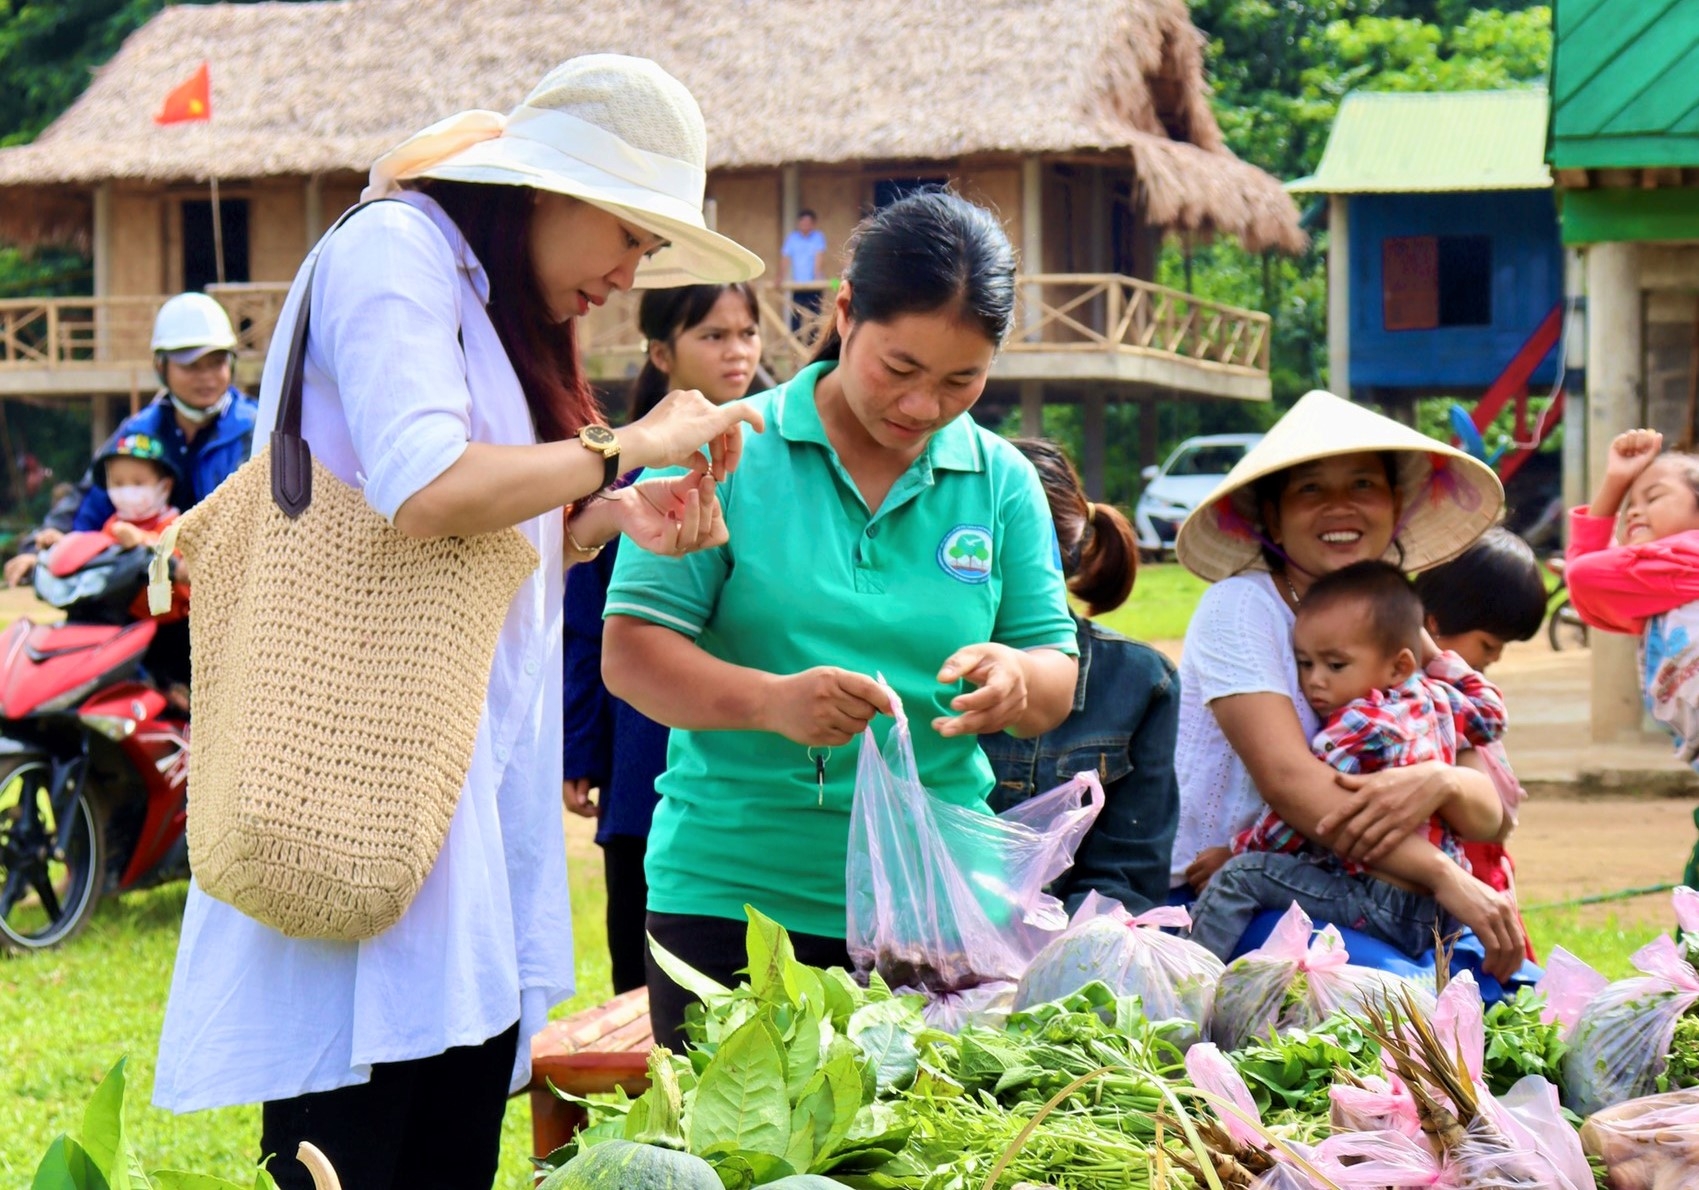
(1436, 281)
(889, 190)
(200, 257)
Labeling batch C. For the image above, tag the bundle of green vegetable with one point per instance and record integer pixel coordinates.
(100, 1156)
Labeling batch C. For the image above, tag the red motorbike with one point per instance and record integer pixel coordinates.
(93, 755)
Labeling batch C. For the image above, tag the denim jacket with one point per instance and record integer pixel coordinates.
(1125, 718)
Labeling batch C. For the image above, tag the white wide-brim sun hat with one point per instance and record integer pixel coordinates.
(614, 131)
(1448, 498)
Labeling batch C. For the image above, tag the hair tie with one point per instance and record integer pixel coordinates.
(1090, 512)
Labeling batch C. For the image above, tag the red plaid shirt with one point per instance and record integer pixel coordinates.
(1422, 719)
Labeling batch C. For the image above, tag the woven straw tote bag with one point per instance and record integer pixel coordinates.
(340, 670)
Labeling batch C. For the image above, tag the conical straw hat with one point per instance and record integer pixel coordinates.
(1449, 498)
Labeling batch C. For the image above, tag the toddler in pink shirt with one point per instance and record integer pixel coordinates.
(1639, 572)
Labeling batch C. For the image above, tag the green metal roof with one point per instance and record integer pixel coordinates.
(1625, 84)
(1389, 142)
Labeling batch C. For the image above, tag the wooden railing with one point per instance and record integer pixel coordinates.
(86, 332)
(1054, 312)
(1071, 312)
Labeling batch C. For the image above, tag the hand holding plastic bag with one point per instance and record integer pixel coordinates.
(1292, 982)
(944, 897)
(1622, 1041)
(1174, 978)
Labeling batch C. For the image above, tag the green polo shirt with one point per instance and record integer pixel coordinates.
(961, 552)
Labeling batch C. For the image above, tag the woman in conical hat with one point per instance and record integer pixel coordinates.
(1331, 484)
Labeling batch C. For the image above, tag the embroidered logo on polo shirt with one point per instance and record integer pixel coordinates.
(965, 553)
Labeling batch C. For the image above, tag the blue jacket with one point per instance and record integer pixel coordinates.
(1123, 726)
(217, 451)
(618, 748)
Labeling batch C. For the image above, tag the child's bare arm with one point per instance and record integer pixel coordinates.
(1632, 451)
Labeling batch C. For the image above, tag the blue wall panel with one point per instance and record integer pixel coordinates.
(1527, 282)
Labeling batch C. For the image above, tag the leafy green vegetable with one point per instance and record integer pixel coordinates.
(1682, 1069)
(1292, 1073)
(101, 1159)
(1519, 1043)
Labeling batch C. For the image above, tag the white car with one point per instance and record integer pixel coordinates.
(1172, 490)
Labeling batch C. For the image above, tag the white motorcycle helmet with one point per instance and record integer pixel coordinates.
(190, 326)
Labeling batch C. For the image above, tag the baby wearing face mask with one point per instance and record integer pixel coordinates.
(138, 481)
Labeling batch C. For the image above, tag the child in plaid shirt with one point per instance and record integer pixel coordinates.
(1357, 637)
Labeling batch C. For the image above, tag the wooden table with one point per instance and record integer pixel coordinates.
(589, 1053)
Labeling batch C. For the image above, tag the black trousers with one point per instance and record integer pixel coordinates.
(628, 894)
(433, 1122)
(717, 947)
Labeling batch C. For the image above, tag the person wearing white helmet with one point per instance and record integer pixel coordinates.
(205, 424)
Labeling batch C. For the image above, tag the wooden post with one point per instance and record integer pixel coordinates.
(314, 209)
(1098, 216)
(1032, 240)
(1093, 432)
(99, 421)
(1616, 357)
(1032, 408)
(1339, 296)
(101, 246)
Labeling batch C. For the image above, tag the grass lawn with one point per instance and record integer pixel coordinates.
(1163, 600)
(68, 1015)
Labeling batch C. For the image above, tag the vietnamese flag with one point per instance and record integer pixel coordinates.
(191, 100)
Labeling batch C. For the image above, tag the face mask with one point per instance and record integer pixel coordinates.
(198, 417)
(138, 502)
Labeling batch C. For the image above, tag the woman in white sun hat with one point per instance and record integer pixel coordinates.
(1331, 484)
(442, 379)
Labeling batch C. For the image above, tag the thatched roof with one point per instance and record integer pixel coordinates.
(325, 87)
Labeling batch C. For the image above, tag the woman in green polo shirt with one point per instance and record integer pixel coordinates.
(875, 529)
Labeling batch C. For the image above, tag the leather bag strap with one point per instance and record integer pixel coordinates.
(291, 457)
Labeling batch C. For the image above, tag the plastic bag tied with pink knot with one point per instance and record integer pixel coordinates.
(1284, 1166)
(1621, 1042)
(1519, 1141)
(1174, 978)
(1568, 986)
(1293, 981)
(945, 897)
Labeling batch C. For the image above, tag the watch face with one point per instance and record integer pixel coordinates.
(598, 436)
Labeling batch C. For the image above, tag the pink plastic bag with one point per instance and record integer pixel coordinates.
(945, 897)
(1384, 1160)
(1384, 1105)
(1225, 1091)
(1173, 977)
(1568, 985)
(1650, 1143)
(1294, 982)
(1622, 1041)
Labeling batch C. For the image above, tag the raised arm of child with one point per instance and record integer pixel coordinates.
(1617, 588)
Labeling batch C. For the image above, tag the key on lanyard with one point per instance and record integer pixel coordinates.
(820, 772)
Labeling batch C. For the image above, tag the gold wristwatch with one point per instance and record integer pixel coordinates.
(604, 442)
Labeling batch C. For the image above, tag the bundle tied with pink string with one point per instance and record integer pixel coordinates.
(1621, 1043)
(1294, 982)
(1174, 978)
(1425, 1136)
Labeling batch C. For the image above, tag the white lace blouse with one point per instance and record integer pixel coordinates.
(1239, 642)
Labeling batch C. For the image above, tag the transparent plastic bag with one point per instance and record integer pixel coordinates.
(1622, 1041)
(944, 897)
(1294, 982)
(1568, 985)
(1650, 1143)
(1383, 1160)
(989, 1005)
(1174, 978)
